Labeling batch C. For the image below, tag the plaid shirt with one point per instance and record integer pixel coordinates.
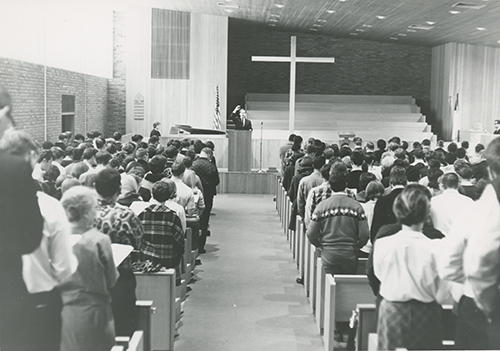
(163, 239)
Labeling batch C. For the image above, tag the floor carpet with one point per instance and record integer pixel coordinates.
(244, 295)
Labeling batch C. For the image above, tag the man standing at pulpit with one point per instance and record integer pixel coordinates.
(239, 117)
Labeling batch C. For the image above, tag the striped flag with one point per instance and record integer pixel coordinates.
(217, 120)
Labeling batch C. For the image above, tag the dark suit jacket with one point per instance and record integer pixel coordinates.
(382, 213)
(21, 224)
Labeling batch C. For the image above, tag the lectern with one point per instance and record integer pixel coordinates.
(240, 150)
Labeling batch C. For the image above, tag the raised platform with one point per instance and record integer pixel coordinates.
(246, 182)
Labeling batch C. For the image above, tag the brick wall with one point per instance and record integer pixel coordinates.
(116, 87)
(362, 67)
(25, 82)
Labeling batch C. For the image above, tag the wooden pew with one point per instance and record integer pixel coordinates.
(146, 309)
(312, 276)
(134, 343)
(300, 245)
(362, 265)
(160, 288)
(342, 294)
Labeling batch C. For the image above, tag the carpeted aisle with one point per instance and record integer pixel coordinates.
(244, 296)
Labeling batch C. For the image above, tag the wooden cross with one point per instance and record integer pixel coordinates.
(293, 59)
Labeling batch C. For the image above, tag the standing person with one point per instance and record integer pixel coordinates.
(239, 117)
(209, 177)
(496, 126)
(405, 263)
(123, 227)
(482, 257)
(338, 227)
(156, 130)
(18, 236)
(283, 151)
(87, 319)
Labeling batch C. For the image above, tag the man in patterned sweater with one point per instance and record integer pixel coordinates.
(163, 239)
(338, 227)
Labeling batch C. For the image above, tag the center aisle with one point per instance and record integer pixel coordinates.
(244, 296)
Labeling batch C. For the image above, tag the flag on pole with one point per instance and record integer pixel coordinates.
(217, 120)
(456, 104)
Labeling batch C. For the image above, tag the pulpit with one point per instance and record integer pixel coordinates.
(240, 150)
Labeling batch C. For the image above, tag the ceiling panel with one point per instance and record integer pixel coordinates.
(358, 18)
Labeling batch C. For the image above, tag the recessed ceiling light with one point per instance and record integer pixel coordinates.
(314, 29)
(353, 33)
(330, 11)
(275, 15)
(229, 10)
(228, 0)
(393, 38)
(322, 20)
(359, 30)
(228, 6)
(272, 24)
(317, 25)
(498, 41)
(273, 20)
(280, 6)
(411, 30)
(403, 35)
(480, 28)
(367, 25)
(342, 0)
(430, 23)
(381, 17)
(453, 12)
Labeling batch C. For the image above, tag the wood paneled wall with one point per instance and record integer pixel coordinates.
(177, 101)
(472, 72)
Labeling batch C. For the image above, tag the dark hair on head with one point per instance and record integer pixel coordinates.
(400, 163)
(57, 152)
(115, 163)
(77, 154)
(117, 136)
(108, 182)
(141, 153)
(416, 145)
(191, 153)
(479, 147)
(328, 153)
(198, 146)
(450, 158)
(463, 169)
(291, 137)
(434, 163)
(412, 205)
(298, 140)
(426, 142)
(176, 143)
(374, 190)
(52, 173)
(338, 168)
(156, 124)
(318, 162)
(404, 145)
(381, 144)
(369, 158)
(325, 170)
(47, 145)
(157, 164)
(357, 157)
(419, 153)
(142, 145)
(461, 152)
(89, 152)
(210, 144)
(187, 161)
(358, 141)
(128, 159)
(338, 182)
(364, 179)
(132, 164)
(69, 151)
(433, 175)
(296, 147)
(171, 151)
(111, 148)
(178, 169)
(128, 148)
(452, 148)
(136, 138)
(400, 153)
(163, 190)
(465, 144)
(100, 142)
(45, 155)
(103, 157)
(492, 155)
(345, 151)
(450, 180)
(440, 143)
(397, 176)
(311, 149)
(413, 173)
(79, 137)
(207, 151)
(153, 140)
(395, 139)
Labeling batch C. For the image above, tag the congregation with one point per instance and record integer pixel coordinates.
(66, 203)
(425, 217)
